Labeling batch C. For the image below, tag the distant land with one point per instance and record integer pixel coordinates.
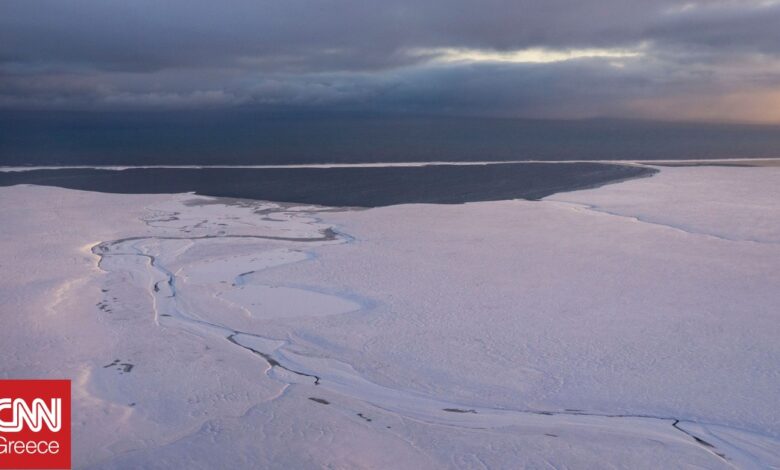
(248, 137)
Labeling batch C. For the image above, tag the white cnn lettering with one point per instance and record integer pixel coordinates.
(35, 416)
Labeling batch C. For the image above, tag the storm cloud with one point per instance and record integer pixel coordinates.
(714, 60)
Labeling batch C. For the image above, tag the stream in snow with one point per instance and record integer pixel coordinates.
(198, 263)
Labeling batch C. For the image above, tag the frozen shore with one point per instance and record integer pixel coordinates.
(633, 325)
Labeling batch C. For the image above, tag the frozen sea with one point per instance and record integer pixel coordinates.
(595, 316)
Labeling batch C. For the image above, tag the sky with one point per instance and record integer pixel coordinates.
(707, 60)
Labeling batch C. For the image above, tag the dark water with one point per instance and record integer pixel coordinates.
(356, 187)
(245, 137)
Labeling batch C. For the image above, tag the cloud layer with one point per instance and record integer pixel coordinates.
(708, 59)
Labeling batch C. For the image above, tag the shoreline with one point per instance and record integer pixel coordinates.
(751, 161)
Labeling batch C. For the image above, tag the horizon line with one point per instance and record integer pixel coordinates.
(639, 162)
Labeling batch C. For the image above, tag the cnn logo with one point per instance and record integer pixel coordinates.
(35, 424)
(35, 417)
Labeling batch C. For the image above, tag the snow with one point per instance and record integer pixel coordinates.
(632, 325)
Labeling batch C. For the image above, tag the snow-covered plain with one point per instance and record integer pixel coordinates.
(634, 325)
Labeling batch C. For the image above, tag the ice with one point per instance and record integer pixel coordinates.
(633, 325)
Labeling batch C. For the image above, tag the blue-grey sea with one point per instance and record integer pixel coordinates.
(248, 138)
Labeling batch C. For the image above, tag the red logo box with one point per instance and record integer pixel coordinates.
(35, 424)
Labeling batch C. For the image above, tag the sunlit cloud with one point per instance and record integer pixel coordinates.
(686, 7)
(529, 56)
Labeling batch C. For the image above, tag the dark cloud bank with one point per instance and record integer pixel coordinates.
(145, 80)
(714, 60)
